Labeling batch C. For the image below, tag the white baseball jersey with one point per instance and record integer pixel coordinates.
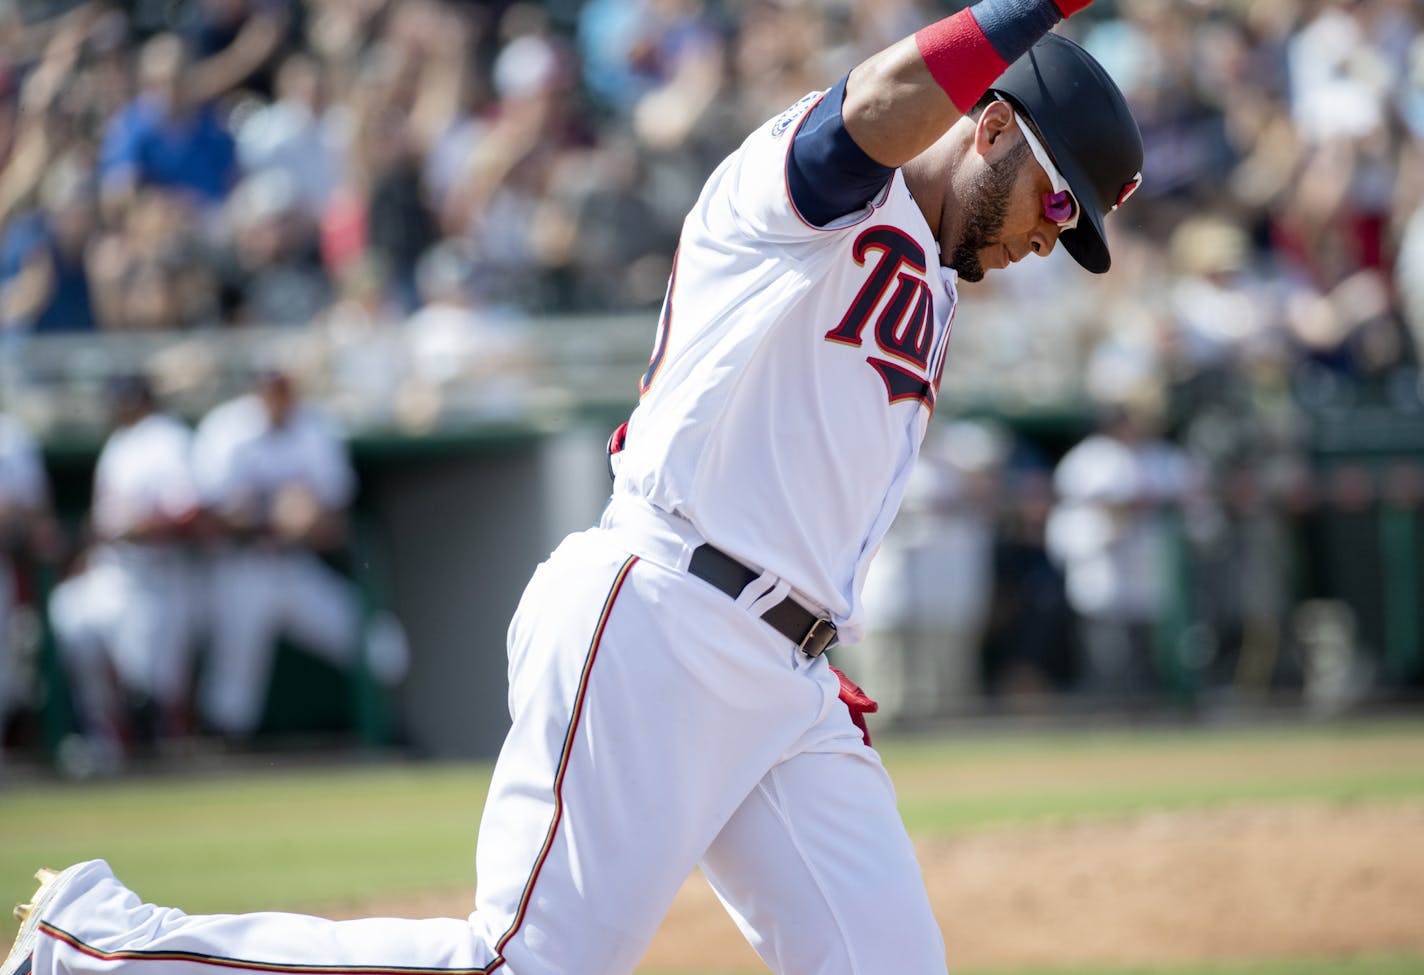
(1113, 546)
(142, 473)
(239, 457)
(797, 471)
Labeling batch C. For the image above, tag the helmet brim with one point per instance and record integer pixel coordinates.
(1087, 242)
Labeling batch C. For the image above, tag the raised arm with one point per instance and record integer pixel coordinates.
(899, 101)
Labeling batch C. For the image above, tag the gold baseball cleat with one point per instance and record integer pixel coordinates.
(20, 959)
(46, 877)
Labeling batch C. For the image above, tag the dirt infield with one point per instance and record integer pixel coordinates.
(1303, 880)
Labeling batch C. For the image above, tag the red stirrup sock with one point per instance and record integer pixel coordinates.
(967, 52)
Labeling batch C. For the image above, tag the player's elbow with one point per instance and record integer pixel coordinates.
(893, 109)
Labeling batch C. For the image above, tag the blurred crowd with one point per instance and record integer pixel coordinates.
(421, 181)
(345, 164)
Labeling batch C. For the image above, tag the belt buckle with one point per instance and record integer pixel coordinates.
(819, 638)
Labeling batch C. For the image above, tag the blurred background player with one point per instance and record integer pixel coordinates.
(1112, 533)
(27, 531)
(275, 476)
(124, 622)
(928, 592)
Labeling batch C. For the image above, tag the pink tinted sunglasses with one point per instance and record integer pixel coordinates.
(1059, 207)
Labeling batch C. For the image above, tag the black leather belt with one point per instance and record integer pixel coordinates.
(812, 634)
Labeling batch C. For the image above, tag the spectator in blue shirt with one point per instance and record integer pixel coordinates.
(166, 137)
(44, 276)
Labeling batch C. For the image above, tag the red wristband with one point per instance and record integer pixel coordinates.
(960, 58)
(1071, 7)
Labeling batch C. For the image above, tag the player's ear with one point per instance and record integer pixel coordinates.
(995, 122)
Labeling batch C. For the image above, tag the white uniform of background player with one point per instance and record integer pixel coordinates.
(277, 475)
(24, 497)
(130, 610)
(663, 715)
(929, 589)
(1111, 531)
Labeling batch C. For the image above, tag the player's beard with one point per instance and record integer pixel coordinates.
(990, 191)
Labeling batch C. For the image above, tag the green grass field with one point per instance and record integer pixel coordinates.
(309, 837)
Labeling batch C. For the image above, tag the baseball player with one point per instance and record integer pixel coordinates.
(275, 474)
(129, 611)
(28, 531)
(672, 702)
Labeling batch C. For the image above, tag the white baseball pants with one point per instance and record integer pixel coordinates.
(656, 724)
(129, 610)
(255, 597)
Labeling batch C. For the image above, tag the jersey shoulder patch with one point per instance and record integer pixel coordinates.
(785, 120)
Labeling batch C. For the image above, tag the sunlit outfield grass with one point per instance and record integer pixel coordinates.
(971, 784)
(307, 838)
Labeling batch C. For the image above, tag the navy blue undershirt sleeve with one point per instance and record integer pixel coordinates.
(829, 175)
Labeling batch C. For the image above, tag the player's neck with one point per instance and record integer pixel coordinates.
(930, 178)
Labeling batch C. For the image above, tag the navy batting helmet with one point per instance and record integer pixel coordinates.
(1088, 129)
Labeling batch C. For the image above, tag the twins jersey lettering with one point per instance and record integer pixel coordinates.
(861, 306)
